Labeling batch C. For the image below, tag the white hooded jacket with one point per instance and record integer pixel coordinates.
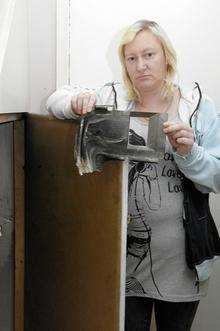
(201, 165)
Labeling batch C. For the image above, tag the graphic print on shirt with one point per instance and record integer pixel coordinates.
(144, 194)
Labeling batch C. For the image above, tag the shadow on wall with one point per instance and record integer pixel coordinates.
(112, 56)
(6, 16)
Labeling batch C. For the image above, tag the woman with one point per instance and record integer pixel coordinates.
(157, 272)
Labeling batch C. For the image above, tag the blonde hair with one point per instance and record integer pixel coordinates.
(169, 52)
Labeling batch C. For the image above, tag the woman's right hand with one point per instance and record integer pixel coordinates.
(83, 102)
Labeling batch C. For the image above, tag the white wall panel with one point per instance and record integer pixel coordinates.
(193, 27)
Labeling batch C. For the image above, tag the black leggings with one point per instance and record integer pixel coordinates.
(170, 316)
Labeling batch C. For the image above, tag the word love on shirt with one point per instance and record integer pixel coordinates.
(172, 172)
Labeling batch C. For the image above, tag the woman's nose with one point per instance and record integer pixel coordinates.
(141, 65)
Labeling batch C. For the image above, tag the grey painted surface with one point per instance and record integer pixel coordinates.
(6, 228)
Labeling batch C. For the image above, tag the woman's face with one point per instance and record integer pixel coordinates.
(145, 62)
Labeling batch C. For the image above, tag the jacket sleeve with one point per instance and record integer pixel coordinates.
(59, 103)
(202, 165)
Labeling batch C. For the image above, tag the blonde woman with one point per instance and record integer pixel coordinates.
(157, 271)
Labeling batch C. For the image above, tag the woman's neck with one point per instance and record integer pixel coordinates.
(153, 101)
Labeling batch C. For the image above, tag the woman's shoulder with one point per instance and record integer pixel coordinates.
(111, 93)
(208, 108)
(195, 99)
(111, 88)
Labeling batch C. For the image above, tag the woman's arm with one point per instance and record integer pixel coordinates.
(202, 164)
(69, 102)
(59, 103)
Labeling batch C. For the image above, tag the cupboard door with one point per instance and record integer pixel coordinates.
(6, 228)
(74, 235)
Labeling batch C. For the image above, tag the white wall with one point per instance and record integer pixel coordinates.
(14, 75)
(6, 17)
(29, 70)
(96, 26)
(42, 52)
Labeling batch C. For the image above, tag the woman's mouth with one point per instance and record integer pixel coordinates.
(142, 77)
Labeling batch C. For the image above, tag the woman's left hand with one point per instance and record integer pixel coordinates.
(180, 135)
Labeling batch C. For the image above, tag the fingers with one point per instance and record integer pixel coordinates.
(171, 127)
(185, 141)
(83, 103)
(180, 135)
(91, 102)
(172, 141)
(183, 134)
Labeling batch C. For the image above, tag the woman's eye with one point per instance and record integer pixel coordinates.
(130, 59)
(148, 55)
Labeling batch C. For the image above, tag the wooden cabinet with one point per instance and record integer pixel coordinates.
(12, 183)
(74, 235)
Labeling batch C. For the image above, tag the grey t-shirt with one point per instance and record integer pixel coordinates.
(156, 265)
